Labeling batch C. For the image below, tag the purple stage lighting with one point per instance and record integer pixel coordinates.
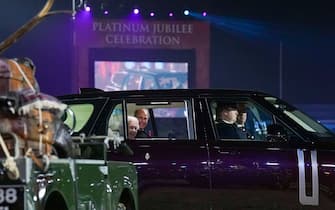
(170, 14)
(106, 12)
(87, 8)
(136, 11)
(152, 14)
(204, 14)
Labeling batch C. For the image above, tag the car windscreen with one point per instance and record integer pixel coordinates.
(84, 113)
(300, 118)
(172, 80)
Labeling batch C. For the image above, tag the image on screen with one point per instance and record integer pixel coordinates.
(135, 75)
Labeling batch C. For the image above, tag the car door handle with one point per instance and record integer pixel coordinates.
(144, 146)
(225, 152)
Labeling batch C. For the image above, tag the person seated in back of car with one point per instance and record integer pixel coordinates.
(133, 126)
(226, 114)
(143, 117)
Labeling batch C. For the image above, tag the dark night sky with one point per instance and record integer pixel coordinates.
(245, 37)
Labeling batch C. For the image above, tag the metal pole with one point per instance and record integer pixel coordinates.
(73, 9)
(281, 69)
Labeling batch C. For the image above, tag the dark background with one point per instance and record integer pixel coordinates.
(252, 44)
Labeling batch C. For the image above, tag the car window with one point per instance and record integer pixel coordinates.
(116, 82)
(167, 120)
(172, 80)
(149, 83)
(115, 123)
(227, 127)
(133, 82)
(171, 122)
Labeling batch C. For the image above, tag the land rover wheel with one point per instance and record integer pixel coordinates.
(55, 202)
(121, 206)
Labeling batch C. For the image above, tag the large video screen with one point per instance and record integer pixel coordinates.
(140, 75)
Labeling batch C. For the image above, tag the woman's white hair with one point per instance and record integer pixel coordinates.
(132, 119)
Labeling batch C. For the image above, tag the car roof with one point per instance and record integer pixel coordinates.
(93, 92)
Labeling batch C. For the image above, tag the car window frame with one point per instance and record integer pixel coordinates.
(98, 103)
(191, 126)
(257, 104)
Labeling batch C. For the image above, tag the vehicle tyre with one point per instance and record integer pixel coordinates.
(125, 204)
(55, 202)
(121, 206)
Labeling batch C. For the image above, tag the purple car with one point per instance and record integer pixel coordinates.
(279, 158)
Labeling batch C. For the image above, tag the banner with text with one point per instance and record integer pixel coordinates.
(140, 34)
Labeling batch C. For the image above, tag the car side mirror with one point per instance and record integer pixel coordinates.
(69, 120)
(276, 133)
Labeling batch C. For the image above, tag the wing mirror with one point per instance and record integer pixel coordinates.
(69, 120)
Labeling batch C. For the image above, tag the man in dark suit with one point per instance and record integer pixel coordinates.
(226, 114)
(143, 117)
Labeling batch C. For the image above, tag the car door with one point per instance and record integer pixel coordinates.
(172, 163)
(263, 171)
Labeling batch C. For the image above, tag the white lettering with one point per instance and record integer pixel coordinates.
(121, 27)
(173, 28)
(8, 195)
(118, 39)
(156, 28)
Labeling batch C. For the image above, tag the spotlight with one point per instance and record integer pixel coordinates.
(136, 11)
(204, 14)
(186, 12)
(87, 8)
(152, 14)
(170, 14)
(104, 7)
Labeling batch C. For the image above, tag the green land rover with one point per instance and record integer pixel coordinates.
(85, 181)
